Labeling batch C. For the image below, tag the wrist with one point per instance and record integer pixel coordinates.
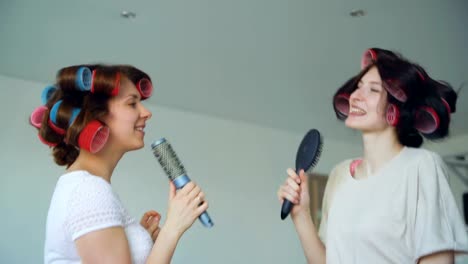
(169, 232)
(302, 216)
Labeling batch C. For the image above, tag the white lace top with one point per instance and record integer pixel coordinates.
(84, 203)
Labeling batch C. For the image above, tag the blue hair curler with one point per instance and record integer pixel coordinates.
(83, 79)
(75, 113)
(53, 111)
(47, 93)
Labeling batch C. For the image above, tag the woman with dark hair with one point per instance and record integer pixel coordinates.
(90, 118)
(394, 204)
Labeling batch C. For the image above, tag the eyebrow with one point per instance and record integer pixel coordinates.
(371, 82)
(132, 96)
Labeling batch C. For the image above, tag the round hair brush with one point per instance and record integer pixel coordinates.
(307, 157)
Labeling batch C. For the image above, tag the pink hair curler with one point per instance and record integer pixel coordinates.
(367, 58)
(395, 89)
(145, 88)
(342, 103)
(37, 115)
(393, 115)
(426, 120)
(93, 137)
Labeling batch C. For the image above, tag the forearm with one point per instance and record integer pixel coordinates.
(313, 247)
(164, 247)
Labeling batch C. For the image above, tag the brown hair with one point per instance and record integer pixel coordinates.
(91, 105)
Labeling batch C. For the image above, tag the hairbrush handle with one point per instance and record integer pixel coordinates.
(175, 171)
(179, 183)
(286, 208)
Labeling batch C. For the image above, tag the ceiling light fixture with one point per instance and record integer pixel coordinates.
(128, 14)
(358, 13)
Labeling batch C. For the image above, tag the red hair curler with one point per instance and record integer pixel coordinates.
(114, 91)
(393, 115)
(342, 103)
(93, 136)
(426, 120)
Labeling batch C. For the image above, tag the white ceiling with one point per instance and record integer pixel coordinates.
(275, 63)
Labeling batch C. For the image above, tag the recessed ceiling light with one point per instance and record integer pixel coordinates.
(358, 13)
(128, 14)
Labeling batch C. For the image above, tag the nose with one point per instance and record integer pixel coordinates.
(356, 95)
(145, 113)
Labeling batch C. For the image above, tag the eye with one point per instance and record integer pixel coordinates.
(133, 104)
(375, 90)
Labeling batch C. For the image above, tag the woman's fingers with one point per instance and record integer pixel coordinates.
(292, 174)
(290, 194)
(146, 217)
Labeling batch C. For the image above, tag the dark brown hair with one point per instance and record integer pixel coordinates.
(421, 91)
(92, 105)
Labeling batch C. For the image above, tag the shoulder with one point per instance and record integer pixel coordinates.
(341, 169)
(90, 191)
(421, 155)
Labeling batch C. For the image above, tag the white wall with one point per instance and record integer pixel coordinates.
(239, 166)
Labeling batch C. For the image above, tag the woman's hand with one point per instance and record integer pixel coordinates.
(296, 190)
(150, 221)
(185, 206)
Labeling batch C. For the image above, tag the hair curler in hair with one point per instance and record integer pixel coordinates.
(93, 136)
(145, 88)
(393, 115)
(53, 117)
(426, 120)
(368, 57)
(116, 88)
(83, 79)
(37, 115)
(47, 93)
(341, 104)
(394, 88)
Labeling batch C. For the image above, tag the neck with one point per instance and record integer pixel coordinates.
(101, 164)
(380, 147)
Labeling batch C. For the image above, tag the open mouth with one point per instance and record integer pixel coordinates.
(354, 110)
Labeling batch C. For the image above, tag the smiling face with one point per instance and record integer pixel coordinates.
(127, 117)
(368, 104)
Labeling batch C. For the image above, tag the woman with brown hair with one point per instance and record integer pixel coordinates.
(91, 117)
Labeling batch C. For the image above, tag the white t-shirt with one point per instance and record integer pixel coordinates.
(399, 214)
(84, 203)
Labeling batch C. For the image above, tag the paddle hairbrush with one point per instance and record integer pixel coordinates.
(307, 157)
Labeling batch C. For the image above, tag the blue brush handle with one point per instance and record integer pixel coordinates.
(180, 182)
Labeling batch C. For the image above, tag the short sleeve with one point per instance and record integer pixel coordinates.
(334, 179)
(438, 225)
(92, 206)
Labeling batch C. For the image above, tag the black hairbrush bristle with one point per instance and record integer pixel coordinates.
(309, 151)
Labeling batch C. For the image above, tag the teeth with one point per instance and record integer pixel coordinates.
(140, 128)
(357, 111)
